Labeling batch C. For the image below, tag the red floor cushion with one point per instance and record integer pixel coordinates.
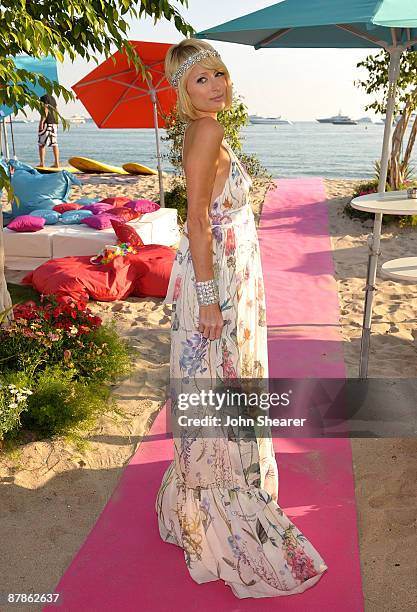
(144, 274)
(153, 263)
(80, 279)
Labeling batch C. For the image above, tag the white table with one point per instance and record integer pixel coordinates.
(388, 203)
(404, 268)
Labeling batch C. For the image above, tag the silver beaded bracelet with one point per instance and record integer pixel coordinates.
(207, 292)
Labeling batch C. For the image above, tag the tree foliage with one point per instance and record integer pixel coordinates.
(377, 82)
(67, 28)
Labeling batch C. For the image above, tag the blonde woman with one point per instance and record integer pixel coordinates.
(218, 498)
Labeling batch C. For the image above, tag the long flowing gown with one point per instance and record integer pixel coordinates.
(216, 499)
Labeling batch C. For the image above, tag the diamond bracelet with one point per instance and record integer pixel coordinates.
(207, 292)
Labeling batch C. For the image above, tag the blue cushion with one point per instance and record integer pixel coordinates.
(51, 216)
(35, 191)
(74, 216)
(86, 201)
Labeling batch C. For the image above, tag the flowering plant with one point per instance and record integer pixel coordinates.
(53, 319)
(67, 357)
(13, 401)
(46, 332)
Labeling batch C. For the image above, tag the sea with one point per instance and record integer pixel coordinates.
(301, 149)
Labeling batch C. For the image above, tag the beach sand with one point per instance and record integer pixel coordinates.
(52, 493)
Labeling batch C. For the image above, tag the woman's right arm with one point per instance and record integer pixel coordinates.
(200, 167)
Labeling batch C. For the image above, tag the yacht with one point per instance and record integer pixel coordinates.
(338, 120)
(364, 120)
(256, 119)
(77, 119)
(344, 120)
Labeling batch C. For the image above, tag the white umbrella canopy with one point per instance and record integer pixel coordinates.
(369, 24)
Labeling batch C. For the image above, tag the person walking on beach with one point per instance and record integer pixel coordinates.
(48, 130)
(218, 499)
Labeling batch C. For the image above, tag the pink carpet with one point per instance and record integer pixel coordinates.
(123, 565)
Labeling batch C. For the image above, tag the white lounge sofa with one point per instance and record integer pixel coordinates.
(28, 250)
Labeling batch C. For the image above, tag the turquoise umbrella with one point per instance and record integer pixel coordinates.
(368, 24)
(46, 66)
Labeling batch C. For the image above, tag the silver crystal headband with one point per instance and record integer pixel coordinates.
(190, 61)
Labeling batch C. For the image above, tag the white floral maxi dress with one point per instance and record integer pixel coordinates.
(215, 499)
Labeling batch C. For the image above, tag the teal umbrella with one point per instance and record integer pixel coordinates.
(46, 66)
(368, 24)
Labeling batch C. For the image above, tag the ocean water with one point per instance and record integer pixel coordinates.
(301, 149)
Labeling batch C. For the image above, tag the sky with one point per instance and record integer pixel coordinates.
(298, 84)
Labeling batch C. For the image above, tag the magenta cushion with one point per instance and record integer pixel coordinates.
(98, 207)
(26, 223)
(100, 222)
(142, 206)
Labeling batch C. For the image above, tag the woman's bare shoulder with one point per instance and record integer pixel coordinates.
(205, 131)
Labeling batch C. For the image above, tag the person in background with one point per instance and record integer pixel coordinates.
(48, 130)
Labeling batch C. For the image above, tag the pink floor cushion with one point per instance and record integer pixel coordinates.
(78, 278)
(143, 206)
(98, 207)
(126, 233)
(66, 206)
(100, 222)
(26, 223)
(117, 201)
(125, 214)
(153, 264)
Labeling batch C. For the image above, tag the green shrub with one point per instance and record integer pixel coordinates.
(14, 393)
(66, 357)
(104, 356)
(60, 403)
(63, 333)
(177, 198)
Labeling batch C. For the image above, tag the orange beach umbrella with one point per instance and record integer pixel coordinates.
(117, 95)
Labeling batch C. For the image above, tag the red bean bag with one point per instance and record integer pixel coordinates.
(153, 263)
(144, 274)
(80, 279)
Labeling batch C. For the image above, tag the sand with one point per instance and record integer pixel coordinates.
(53, 493)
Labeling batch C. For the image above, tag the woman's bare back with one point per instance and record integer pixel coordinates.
(224, 162)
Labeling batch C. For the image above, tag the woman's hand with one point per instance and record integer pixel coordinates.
(210, 321)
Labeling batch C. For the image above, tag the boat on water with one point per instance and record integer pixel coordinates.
(77, 119)
(364, 120)
(344, 120)
(338, 120)
(256, 119)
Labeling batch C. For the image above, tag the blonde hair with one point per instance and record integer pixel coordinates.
(175, 56)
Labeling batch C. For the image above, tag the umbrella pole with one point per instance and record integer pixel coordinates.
(375, 239)
(12, 135)
(1, 137)
(6, 141)
(158, 152)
